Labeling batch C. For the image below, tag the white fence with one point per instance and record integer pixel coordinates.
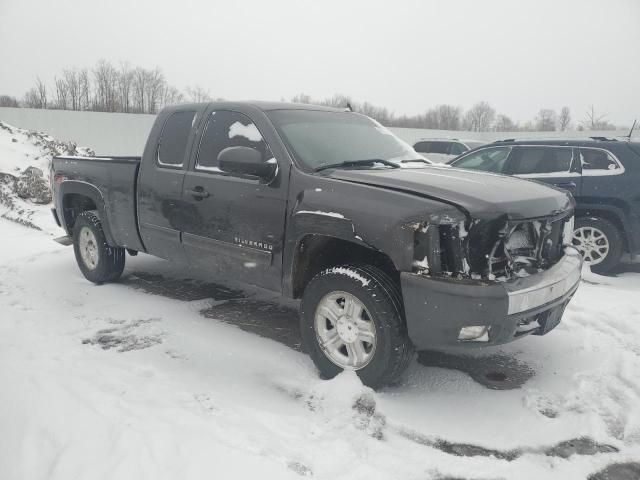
(126, 133)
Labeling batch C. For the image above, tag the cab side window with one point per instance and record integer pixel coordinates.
(228, 129)
(487, 159)
(174, 138)
(537, 160)
(595, 162)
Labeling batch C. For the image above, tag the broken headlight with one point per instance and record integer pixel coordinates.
(440, 248)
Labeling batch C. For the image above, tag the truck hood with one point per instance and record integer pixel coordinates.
(483, 195)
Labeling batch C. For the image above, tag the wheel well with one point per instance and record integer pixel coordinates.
(606, 215)
(315, 253)
(73, 204)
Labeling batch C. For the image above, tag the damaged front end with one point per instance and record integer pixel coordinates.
(491, 250)
(488, 281)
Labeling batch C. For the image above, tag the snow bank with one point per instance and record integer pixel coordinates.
(25, 158)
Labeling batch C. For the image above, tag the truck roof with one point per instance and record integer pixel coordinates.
(260, 105)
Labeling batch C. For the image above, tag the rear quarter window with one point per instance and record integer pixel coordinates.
(598, 162)
(174, 138)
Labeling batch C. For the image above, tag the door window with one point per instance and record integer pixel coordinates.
(598, 162)
(487, 159)
(541, 160)
(174, 138)
(228, 129)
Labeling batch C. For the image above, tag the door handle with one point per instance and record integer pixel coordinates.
(198, 193)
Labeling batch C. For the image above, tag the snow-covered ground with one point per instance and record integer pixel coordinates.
(113, 382)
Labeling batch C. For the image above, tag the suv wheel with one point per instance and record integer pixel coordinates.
(98, 261)
(599, 242)
(351, 319)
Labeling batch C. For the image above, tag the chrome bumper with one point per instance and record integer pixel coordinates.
(536, 290)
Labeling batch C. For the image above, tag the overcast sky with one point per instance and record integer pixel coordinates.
(407, 55)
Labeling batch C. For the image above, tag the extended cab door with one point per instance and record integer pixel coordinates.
(238, 225)
(161, 210)
(556, 165)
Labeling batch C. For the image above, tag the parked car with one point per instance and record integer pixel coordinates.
(443, 150)
(311, 203)
(602, 174)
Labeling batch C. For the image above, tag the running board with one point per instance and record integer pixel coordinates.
(66, 240)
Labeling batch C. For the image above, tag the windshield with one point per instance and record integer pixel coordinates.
(318, 138)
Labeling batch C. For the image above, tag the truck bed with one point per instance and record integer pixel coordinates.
(112, 180)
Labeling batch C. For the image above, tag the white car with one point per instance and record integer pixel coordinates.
(445, 149)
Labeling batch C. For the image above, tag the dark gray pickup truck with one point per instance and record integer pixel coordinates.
(328, 206)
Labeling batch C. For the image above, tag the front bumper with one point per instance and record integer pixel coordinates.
(436, 309)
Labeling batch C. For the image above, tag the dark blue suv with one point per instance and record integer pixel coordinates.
(602, 174)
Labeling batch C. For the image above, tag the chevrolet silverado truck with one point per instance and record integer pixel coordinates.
(329, 207)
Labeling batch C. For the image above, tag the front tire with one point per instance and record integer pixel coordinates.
(600, 243)
(98, 262)
(352, 318)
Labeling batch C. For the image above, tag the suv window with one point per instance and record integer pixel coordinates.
(228, 129)
(597, 160)
(487, 159)
(439, 147)
(174, 138)
(422, 147)
(536, 160)
(457, 149)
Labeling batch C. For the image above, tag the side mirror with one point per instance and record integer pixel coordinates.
(246, 161)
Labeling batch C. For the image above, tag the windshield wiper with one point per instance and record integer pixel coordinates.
(421, 160)
(355, 163)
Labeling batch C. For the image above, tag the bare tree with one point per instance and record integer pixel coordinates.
(105, 96)
(480, 117)
(62, 93)
(504, 124)
(125, 82)
(564, 119)
(197, 94)
(41, 90)
(302, 98)
(592, 121)
(381, 114)
(430, 119)
(338, 100)
(8, 101)
(155, 84)
(171, 96)
(546, 120)
(84, 90)
(73, 88)
(31, 98)
(449, 117)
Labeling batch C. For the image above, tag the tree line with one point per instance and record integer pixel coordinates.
(107, 88)
(124, 88)
(481, 117)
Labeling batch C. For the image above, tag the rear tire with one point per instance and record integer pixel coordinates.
(98, 262)
(383, 357)
(600, 243)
